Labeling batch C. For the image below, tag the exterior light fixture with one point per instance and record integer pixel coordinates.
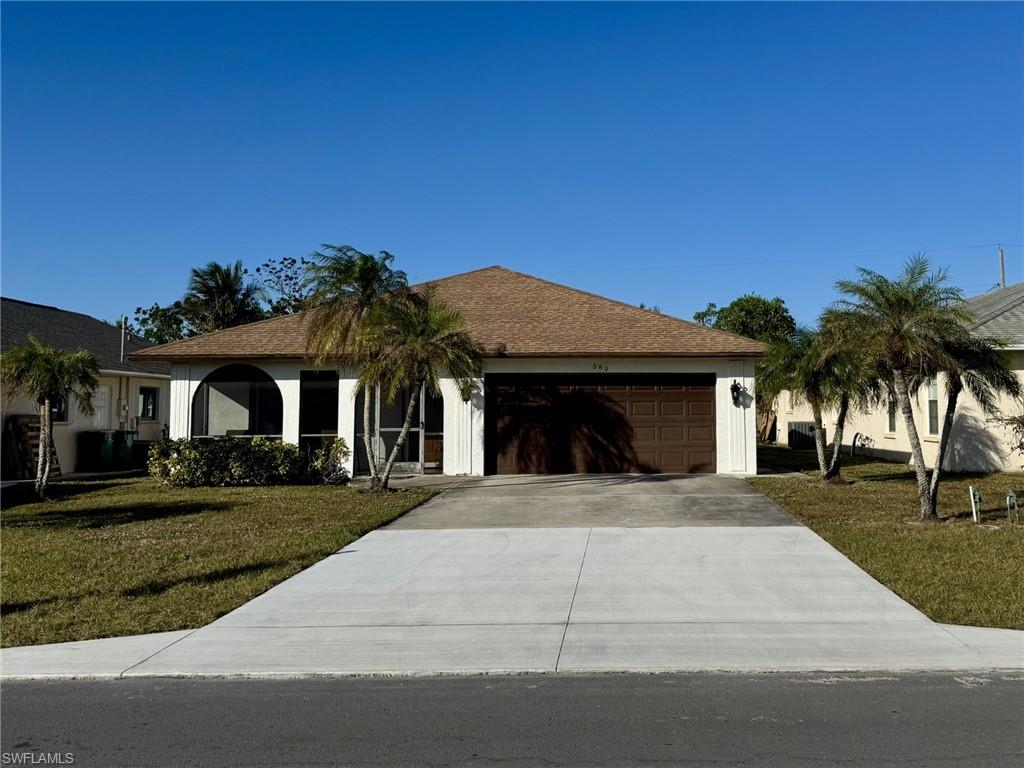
(736, 389)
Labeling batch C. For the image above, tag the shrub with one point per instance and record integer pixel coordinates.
(227, 461)
(327, 465)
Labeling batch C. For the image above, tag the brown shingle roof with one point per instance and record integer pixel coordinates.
(510, 314)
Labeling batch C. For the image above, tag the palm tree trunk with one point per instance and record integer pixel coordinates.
(920, 470)
(947, 427)
(44, 408)
(368, 438)
(410, 414)
(837, 439)
(819, 438)
(49, 450)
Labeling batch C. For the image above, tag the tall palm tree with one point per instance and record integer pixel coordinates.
(411, 343)
(979, 366)
(346, 285)
(218, 297)
(907, 328)
(49, 376)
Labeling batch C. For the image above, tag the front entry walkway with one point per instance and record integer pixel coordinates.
(579, 573)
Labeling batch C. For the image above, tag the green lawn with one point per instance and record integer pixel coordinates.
(127, 556)
(955, 571)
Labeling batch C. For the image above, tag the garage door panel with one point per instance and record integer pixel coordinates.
(700, 408)
(643, 408)
(645, 434)
(701, 461)
(700, 435)
(672, 408)
(671, 434)
(605, 423)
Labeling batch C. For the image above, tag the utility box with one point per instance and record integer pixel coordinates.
(801, 434)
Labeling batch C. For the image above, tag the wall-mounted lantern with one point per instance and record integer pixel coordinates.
(736, 389)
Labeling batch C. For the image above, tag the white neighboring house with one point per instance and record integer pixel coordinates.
(573, 382)
(978, 443)
(133, 396)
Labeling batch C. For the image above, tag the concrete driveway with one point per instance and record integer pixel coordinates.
(515, 574)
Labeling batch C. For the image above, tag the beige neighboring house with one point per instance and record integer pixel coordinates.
(131, 396)
(979, 443)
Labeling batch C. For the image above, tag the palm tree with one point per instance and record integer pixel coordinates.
(907, 328)
(346, 286)
(410, 343)
(49, 375)
(814, 370)
(219, 297)
(979, 366)
(850, 384)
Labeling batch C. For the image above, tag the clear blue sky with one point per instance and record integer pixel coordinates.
(670, 154)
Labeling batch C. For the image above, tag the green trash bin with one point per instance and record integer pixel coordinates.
(106, 462)
(95, 451)
(125, 449)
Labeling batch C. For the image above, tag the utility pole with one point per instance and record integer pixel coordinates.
(124, 322)
(1002, 268)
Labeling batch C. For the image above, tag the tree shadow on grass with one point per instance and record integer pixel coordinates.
(881, 477)
(150, 588)
(60, 490)
(105, 516)
(6, 609)
(986, 515)
(159, 586)
(909, 474)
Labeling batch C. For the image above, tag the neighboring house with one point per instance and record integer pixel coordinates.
(573, 382)
(978, 443)
(132, 396)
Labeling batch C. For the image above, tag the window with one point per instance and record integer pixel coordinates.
(891, 426)
(790, 400)
(933, 406)
(149, 399)
(58, 409)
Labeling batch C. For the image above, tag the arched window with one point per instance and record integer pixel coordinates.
(237, 400)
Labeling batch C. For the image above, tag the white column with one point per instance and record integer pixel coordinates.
(750, 424)
(347, 390)
(463, 430)
(736, 424)
(180, 414)
(476, 431)
(288, 383)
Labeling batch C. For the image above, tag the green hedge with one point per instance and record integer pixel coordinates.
(243, 461)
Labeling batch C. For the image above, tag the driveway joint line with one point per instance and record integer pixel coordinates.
(154, 653)
(568, 617)
(960, 640)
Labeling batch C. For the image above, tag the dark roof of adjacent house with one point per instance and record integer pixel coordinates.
(999, 314)
(72, 330)
(511, 315)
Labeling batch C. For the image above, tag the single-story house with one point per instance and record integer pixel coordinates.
(573, 382)
(979, 443)
(132, 396)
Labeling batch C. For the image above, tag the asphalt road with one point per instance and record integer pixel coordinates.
(603, 720)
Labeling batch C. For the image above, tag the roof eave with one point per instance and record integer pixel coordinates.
(489, 354)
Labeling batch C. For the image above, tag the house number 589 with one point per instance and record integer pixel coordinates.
(601, 367)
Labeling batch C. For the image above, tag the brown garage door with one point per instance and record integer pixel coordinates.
(554, 424)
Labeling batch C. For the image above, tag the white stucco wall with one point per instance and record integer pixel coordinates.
(978, 442)
(736, 445)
